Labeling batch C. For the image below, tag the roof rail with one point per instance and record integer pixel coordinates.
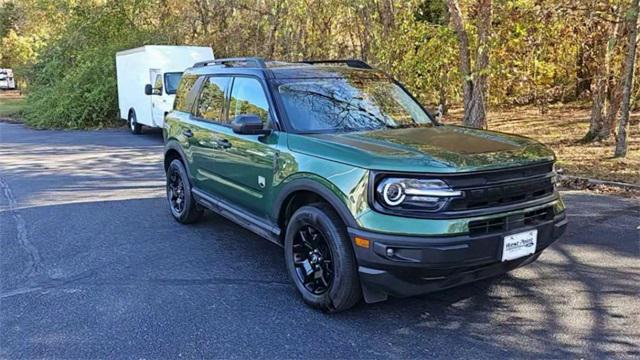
(256, 62)
(349, 62)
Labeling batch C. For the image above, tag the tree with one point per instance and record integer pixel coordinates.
(603, 30)
(621, 140)
(475, 81)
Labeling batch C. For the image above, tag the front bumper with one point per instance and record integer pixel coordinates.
(419, 265)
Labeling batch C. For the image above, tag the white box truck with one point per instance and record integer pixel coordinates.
(147, 80)
(7, 82)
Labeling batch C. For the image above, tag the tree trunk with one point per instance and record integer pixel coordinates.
(474, 82)
(444, 79)
(614, 89)
(613, 107)
(621, 140)
(596, 121)
(583, 78)
(465, 57)
(477, 114)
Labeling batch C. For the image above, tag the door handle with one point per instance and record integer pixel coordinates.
(223, 143)
(187, 133)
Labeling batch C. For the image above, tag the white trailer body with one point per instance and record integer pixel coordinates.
(160, 67)
(7, 82)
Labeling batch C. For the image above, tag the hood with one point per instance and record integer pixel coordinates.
(429, 149)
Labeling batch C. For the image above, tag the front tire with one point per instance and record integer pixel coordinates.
(181, 202)
(320, 259)
(135, 128)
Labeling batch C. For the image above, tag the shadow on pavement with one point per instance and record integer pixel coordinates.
(134, 264)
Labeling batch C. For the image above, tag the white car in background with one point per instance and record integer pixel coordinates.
(147, 79)
(7, 82)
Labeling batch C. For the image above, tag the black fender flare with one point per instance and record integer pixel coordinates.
(173, 145)
(319, 189)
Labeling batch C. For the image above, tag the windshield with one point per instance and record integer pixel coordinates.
(349, 104)
(171, 82)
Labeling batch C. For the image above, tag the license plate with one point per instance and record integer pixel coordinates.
(519, 245)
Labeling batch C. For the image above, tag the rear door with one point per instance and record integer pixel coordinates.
(244, 163)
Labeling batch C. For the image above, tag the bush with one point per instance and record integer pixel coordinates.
(73, 84)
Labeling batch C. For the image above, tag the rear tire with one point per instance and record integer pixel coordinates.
(182, 205)
(135, 128)
(326, 251)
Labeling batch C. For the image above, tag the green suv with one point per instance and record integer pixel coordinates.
(368, 194)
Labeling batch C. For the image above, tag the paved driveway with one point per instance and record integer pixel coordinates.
(92, 265)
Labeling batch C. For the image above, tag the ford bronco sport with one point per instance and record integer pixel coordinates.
(368, 194)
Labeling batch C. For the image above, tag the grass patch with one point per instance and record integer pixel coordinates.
(11, 105)
(561, 128)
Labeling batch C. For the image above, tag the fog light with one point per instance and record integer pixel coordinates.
(390, 252)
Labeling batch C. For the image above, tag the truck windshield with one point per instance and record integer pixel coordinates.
(171, 82)
(349, 104)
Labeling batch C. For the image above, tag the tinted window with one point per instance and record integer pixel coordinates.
(211, 102)
(247, 97)
(171, 82)
(186, 84)
(349, 104)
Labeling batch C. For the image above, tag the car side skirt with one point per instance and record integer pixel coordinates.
(243, 218)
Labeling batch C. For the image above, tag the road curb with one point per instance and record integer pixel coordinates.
(588, 181)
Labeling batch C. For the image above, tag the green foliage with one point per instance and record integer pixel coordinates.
(11, 107)
(432, 11)
(65, 49)
(73, 84)
(8, 18)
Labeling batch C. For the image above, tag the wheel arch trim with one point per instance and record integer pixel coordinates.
(173, 145)
(317, 188)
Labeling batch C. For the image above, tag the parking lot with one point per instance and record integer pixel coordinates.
(92, 265)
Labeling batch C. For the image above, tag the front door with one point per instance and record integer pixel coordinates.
(157, 107)
(244, 168)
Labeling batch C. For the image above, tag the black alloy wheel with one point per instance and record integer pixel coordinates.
(320, 260)
(313, 260)
(181, 202)
(175, 192)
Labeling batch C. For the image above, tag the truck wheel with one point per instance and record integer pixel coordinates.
(133, 124)
(181, 202)
(320, 259)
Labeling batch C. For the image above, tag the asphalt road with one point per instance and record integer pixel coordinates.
(93, 266)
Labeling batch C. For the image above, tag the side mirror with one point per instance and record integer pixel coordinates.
(148, 90)
(248, 124)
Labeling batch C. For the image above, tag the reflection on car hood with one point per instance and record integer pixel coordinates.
(429, 149)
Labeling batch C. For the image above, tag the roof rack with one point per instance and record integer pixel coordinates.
(254, 61)
(349, 62)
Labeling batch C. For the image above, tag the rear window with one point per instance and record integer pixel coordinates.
(212, 100)
(182, 94)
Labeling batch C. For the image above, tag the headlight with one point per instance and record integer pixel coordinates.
(414, 194)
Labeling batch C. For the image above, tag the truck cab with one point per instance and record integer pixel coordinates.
(162, 89)
(147, 79)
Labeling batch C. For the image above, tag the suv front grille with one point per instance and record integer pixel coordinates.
(505, 194)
